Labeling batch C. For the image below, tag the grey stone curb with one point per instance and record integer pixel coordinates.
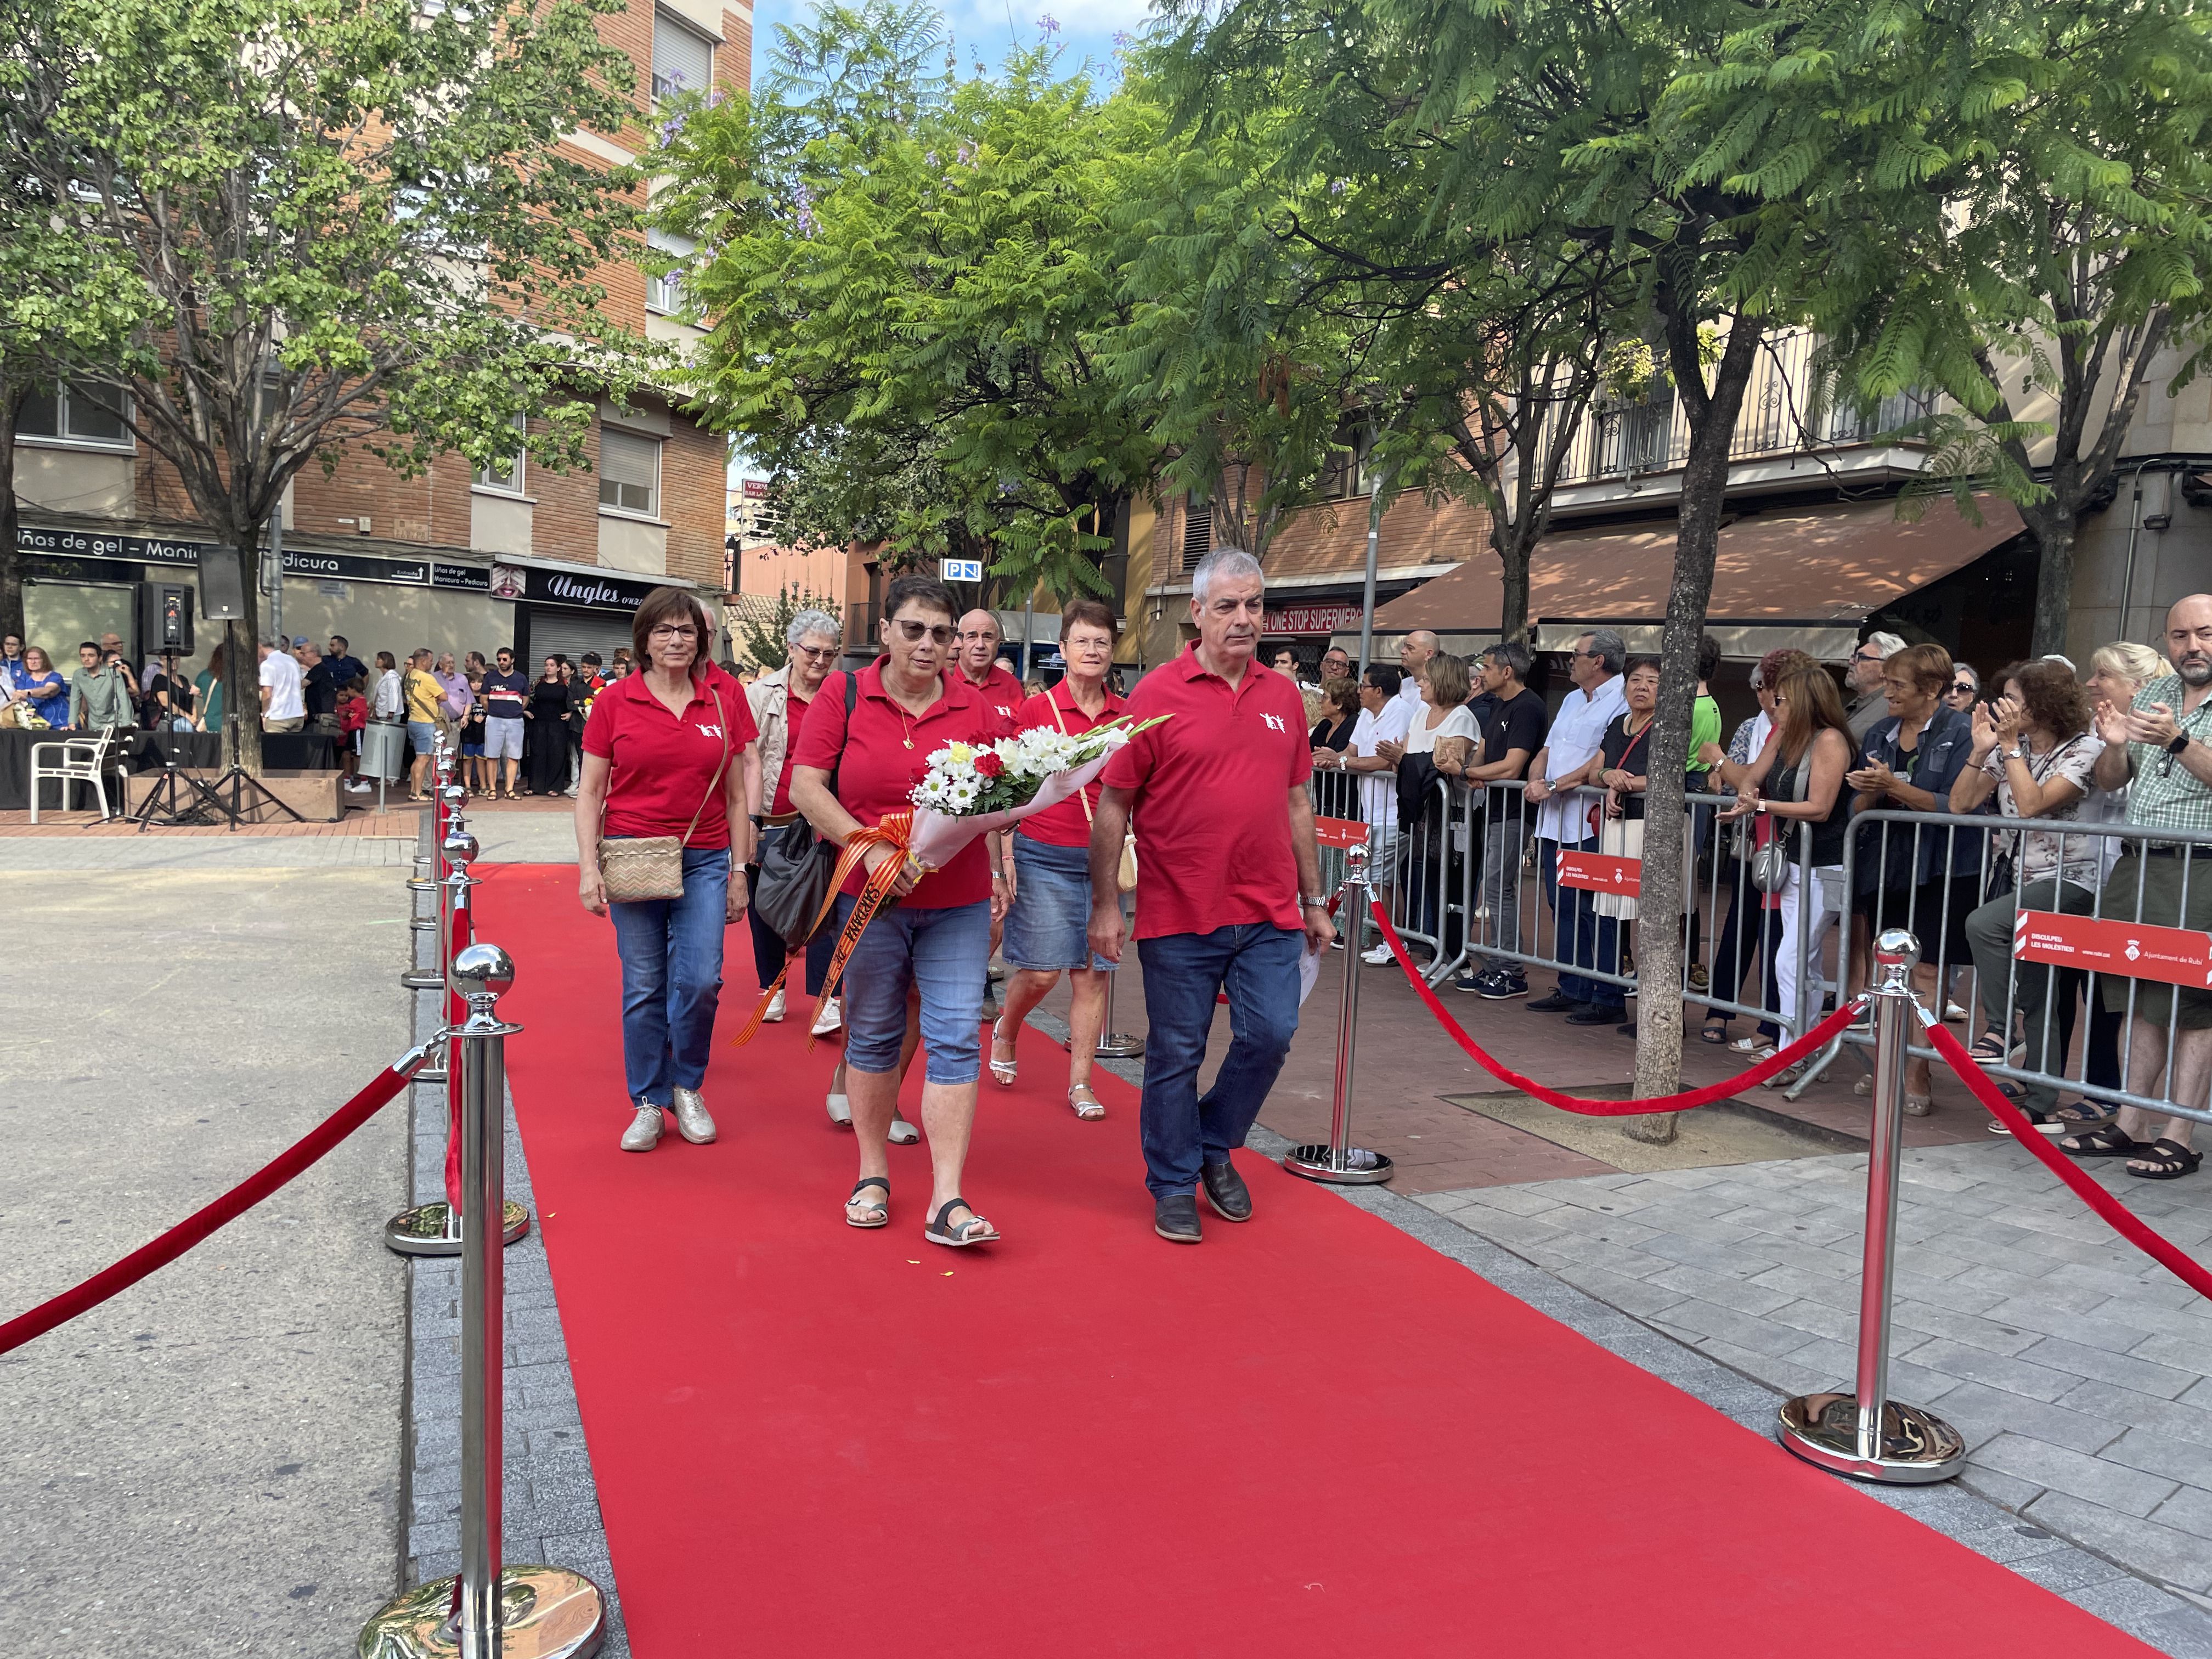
(550, 1502)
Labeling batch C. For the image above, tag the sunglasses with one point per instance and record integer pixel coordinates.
(912, 631)
(816, 652)
(1963, 689)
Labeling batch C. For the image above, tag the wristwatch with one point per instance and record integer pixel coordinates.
(1306, 901)
(2018, 751)
(2179, 743)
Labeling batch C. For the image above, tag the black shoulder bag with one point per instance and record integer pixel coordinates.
(795, 872)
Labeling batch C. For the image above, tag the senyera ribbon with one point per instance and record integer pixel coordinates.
(896, 830)
(1773, 1066)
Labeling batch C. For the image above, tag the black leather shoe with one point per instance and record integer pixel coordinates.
(1554, 1004)
(1175, 1218)
(1590, 1014)
(1226, 1190)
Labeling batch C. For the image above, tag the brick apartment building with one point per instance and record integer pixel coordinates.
(455, 559)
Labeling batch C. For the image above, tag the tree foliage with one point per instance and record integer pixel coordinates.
(347, 224)
(761, 638)
(2049, 167)
(896, 262)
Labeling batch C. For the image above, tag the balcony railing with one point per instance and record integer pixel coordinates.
(1652, 434)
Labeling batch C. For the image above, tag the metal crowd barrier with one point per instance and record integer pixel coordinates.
(2072, 949)
(1458, 882)
(1466, 878)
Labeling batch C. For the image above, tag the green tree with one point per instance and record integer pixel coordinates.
(918, 266)
(2061, 240)
(352, 228)
(763, 635)
(1721, 159)
(65, 299)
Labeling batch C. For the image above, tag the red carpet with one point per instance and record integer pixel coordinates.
(1310, 1435)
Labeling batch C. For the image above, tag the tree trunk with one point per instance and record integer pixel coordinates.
(1659, 906)
(242, 692)
(2054, 534)
(11, 557)
(1514, 548)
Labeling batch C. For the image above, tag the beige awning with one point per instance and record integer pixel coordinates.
(1806, 578)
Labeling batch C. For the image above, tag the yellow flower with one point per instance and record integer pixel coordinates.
(962, 754)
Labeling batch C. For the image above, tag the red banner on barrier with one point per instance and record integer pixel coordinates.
(2174, 956)
(1601, 874)
(1339, 832)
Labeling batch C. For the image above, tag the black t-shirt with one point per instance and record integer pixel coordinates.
(180, 697)
(320, 690)
(472, 722)
(1632, 753)
(1512, 723)
(1334, 734)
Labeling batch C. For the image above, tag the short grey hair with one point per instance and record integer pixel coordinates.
(1513, 656)
(1221, 562)
(1888, 644)
(1609, 648)
(811, 621)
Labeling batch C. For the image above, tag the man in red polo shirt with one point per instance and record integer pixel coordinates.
(1229, 888)
(975, 661)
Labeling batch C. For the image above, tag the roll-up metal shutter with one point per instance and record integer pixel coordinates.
(570, 634)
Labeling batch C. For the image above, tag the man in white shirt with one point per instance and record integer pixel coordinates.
(1563, 821)
(283, 709)
(1414, 652)
(1383, 718)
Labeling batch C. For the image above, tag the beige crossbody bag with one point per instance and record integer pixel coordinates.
(638, 867)
(1125, 874)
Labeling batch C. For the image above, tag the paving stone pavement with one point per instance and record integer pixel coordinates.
(154, 851)
(2076, 1367)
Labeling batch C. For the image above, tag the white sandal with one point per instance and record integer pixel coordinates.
(841, 1111)
(1089, 1107)
(1002, 1071)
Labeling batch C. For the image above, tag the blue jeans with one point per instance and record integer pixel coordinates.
(1582, 936)
(1257, 964)
(672, 963)
(945, 951)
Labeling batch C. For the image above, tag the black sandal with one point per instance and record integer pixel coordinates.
(2172, 1159)
(880, 1212)
(1716, 1031)
(962, 1236)
(2106, 1140)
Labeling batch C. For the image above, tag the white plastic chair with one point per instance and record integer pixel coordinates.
(84, 760)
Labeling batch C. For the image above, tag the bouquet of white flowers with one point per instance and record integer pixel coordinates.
(971, 789)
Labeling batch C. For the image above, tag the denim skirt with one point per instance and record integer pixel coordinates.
(1049, 925)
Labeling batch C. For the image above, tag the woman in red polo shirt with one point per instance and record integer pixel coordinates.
(938, 935)
(670, 752)
(1047, 929)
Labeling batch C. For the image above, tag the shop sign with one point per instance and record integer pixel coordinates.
(1623, 877)
(54, 546)
(92, 545)
(2173, 955)
(1311, 618)
(584, 589)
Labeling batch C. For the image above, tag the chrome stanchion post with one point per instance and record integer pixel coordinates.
(1866, 1434)
(500, 1611)
(1340, 1161)
(433, 1229)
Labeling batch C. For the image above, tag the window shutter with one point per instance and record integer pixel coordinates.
(682, 61)
(629, 472)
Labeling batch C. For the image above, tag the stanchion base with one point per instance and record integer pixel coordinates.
(431, 1229)
(545, 1613)
(1917, 1447)
(1355, 1167)
(1120, 1045)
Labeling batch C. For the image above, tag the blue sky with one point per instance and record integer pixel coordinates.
(981, 27)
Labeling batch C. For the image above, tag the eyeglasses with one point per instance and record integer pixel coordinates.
(673, 631)
(816, 652)
(1868, 656)
(912, 631)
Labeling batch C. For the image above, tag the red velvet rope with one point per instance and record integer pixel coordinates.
(190, 1231)
(2115, 1214)
(1773, 1066)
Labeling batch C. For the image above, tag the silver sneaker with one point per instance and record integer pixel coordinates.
(644, 1132)
(692, 1122)
(774, 1008)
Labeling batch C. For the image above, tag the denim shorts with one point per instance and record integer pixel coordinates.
(472, 748)
(422, 736)
(945, 951)
(1049, 926)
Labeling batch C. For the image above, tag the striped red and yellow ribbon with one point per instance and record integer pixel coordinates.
(896, 830)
